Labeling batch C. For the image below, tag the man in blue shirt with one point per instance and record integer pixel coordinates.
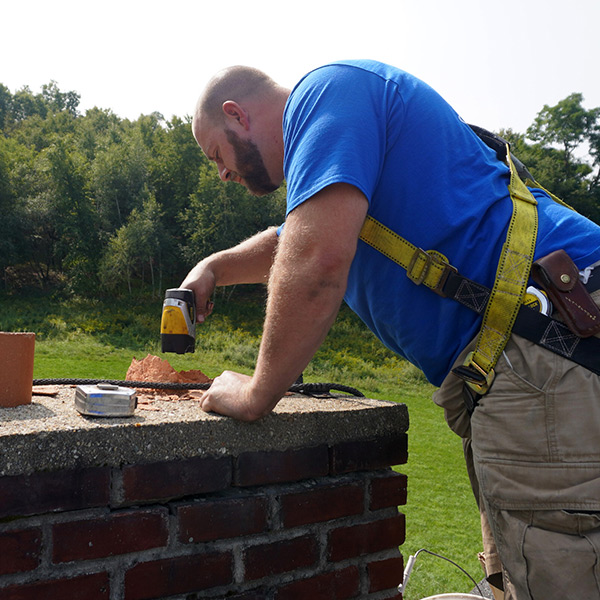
(359, 138)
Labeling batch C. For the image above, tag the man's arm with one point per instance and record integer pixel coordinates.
(306, 288)
(248, 262)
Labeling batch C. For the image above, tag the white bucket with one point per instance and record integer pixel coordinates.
(454, 597)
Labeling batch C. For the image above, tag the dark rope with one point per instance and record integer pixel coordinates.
(163, 385)
(311, 389)
(307, 389)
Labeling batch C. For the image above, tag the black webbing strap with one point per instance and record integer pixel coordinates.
(531, 324)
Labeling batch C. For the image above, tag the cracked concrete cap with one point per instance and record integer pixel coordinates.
(50, 434)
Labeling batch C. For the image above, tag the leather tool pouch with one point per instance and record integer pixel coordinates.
(558, 276)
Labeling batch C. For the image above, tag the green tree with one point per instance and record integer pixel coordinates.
(7, 209)
(76, 228)
(5, 106)
(568, 125)
(547, 165)
(221, 215)
(16, 182)
(40, 132)
(174, 165)
(118, 262)
(59, 101)
(594, 142)
(119, 181)
(174, 169)
(61, 234)
(25, 104)
(96, 130)
(562, 135)
(135, 246)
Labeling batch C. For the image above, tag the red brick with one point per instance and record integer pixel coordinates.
(85, 587)
(118, 533)
(20, 550)
(338, 584)
(180, 575)
(222, 518)
(175, 479)
(263, 468)
(280, 557)
(367, 538)
(388, 491)
(367, 455)
(385, 574)
(322, 503)
(54, 491)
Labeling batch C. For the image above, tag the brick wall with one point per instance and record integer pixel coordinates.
(317, 522)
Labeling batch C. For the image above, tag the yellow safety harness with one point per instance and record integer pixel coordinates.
(431, 269)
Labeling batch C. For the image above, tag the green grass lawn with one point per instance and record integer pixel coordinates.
(93, 339)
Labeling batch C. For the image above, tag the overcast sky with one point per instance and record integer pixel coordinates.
(496, 61)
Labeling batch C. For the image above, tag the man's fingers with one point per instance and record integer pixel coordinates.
(205, 405)
(202, 314)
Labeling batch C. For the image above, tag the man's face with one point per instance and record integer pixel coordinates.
(250, 167)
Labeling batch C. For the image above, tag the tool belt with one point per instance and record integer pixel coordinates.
(559, 277)
(570, 336)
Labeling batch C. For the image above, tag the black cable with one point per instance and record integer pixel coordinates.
(453, 563)
(307, 389)
(162, 385)
(315, 389)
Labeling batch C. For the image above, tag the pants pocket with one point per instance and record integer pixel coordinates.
(552, 554)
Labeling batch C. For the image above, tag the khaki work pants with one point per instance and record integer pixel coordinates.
(535, 441)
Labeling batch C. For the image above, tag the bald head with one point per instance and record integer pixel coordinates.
(237, 83)
(238, 125)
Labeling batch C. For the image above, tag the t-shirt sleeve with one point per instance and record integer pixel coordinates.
(335, 132)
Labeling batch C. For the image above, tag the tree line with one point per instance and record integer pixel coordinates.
(94, 203)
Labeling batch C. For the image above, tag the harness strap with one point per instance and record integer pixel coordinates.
(534, 326)
(509, 286)
(502, 302)
(428, 268)
(531, 324)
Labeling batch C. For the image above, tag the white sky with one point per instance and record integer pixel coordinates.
(496, 61)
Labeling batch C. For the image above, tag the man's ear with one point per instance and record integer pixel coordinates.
(234, 111)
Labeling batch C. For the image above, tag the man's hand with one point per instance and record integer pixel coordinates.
(202, 281)
(231, 394)
(248, 262)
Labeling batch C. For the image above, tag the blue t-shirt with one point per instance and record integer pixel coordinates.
(426, 176)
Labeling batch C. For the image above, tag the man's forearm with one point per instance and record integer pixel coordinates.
(248, 262)
(307, 285)
(302, 306)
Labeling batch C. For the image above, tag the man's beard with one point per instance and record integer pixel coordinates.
(250, 165)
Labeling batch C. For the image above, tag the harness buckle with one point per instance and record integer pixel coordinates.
(419, 254)
(428, 260)
(475, 376)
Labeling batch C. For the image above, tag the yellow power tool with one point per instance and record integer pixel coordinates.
(177, 326)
